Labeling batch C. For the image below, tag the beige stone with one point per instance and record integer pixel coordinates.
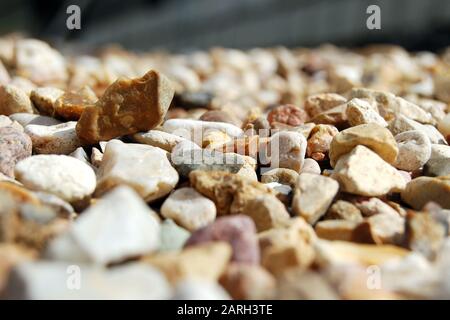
(267, 212)
(44, 99)
(344, 210)
(336, 229)
(14, 100)
(363, 172)
(158, 139)
(371, 135)
(360, 111)
(422, 190)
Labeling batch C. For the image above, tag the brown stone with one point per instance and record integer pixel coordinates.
(127, 106)
(335, 229)
(71, 104)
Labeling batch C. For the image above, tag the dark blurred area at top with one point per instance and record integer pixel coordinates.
(192, 24)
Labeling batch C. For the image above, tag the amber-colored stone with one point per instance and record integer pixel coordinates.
(71, 104)
(127, 106)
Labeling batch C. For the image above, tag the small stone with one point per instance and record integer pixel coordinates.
(127, 106)
(336, 116)
(414, 150)
(204, 261)
(322, 102)
(44, 99)
(336, 229)
(267, 212)
(58, 139)
(28, 118)
(424, 233)
(71, 104)
(310, 166)
(401, 124)
(329, 253)
(64, 176)
(173, 237)
(238, 230)
(371, 135)
(119, 226)
(291, 246)
(313, 195)
(37, 61)
(229, 192)
(61, 207)
(45, 280)
(287, 150)
(439, 162)
(444, 126)
(14, 146)
(158, 139)
(8, 122)
(186, 161)
(422, 190)
(220, 116)
(196, 289)
(192, 100)
(287, 114)
(189, 209)
(362, 112)
(374, 206)
(194, 130)
(344, 210)
(300, 284)
(320, 140)
(388, 104)
(281, 175)
(383, 228)
(363, 172)
(248, 282)
(14, 100)
(144, 168)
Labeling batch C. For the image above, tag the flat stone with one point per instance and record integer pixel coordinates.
(422, 190)
(173, 237)
(28, 118)
(267, 212)
(313, 195)
(248, 282)
(371, 135)
(238, 230)
(14, 146)
(361, 111)
(64, 176)
(158, 139)
(287, 150)
(58, 139)
(46, 280)
(14, 100)
(189, 209)
(363, 172)
(127, 106)
(119, 226)
(230, 192)
(205, 261)
(414, 150)
(144, 168)
(44, 99)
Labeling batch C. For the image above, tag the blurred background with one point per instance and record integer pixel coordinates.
(181, 25)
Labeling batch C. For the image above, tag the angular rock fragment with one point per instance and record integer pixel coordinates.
(362, 112)
(127, 106)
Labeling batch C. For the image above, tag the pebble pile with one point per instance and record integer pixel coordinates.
(224, 174)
